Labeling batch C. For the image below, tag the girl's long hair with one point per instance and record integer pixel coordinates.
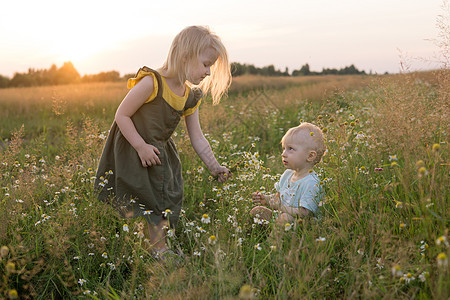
(186, 49)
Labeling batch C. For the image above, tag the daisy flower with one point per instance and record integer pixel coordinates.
(206, 219)
(212, 239)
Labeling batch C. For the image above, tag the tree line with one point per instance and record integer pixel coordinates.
(68, 74)
(54, 76)
(242, 69)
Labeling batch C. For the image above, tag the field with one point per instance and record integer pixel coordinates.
(383, 234)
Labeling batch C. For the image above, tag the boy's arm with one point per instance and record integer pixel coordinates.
(203, 149)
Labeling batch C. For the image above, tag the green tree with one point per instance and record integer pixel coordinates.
(4, 81)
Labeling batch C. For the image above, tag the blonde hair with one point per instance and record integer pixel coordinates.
(186, 48)
(315, 136)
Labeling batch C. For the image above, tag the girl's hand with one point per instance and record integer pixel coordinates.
(259, 198)
(148, 155)
(222, 174)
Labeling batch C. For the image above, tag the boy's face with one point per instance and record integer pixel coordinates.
(297, 151)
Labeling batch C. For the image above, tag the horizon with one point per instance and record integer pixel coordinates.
(374, 36)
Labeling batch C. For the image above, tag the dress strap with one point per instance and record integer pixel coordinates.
(146, 69)
(195, 95)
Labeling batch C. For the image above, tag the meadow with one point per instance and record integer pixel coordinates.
(383, 233)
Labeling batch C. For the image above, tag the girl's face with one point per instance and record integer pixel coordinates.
(201, 67)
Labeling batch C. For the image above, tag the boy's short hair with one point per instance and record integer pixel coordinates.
(317, 138)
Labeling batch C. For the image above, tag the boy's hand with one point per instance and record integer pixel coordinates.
(259, 198)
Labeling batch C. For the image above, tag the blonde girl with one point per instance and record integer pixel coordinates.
(140, 168)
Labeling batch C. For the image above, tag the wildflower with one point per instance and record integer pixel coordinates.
(287, 226)
(360, 251)
(420, 163)
(320, 239)
(442, 240)
(167, 212)
(393, 157)
(77, 257)
(201, 229)
(105, 255)
(273, 248)
(436, 147)
(258, 247)
(380, 264)
(81, 281)
(201, 204)
(206, 219)
(10, 267)
(147, 212)
(378, 169)
(442, 260)
(125, 228)
(408, 277)
(239, 242)
(170, 233)
(396, 271)
(197, 253)
(247, 292)
(4, 251)
(423, 276)
(12, 294)
(424, 246)
(393, 164)
(402, 225)
(398, 204)
(212, 239)
(258, 220)
(359, 136)
(422, 172)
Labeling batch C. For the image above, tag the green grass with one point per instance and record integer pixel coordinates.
(385, 175)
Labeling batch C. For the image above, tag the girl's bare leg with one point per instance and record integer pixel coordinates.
(158, 236)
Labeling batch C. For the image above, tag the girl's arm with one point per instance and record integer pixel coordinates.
(275, 203)
(130, 104)
(203, 149)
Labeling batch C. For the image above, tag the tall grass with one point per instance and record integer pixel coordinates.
(383, 234)
(384, 231)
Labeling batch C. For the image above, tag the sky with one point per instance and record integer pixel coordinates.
(104, 35)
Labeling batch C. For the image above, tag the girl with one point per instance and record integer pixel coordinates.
(140, 166)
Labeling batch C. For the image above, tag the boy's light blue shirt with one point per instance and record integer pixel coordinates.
(305, 192)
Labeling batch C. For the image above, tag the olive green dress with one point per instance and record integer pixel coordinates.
(155, 192)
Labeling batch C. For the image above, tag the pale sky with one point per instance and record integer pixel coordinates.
(100, 35)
